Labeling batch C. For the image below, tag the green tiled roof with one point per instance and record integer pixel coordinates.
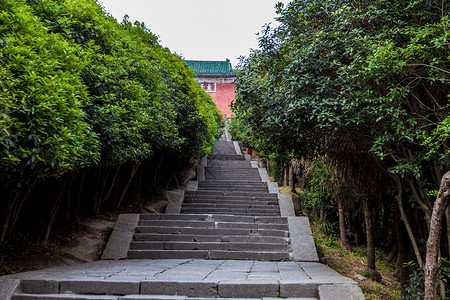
(202, 67)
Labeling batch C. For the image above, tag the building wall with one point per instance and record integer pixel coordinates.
(223, 97)
(222, 91)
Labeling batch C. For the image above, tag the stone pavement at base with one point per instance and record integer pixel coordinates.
(230, 235)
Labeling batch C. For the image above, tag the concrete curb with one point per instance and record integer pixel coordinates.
(302, 242)
(176, 198)
(192, 186)
(264, 175)
(273, 187)
(286, 205)
(237, 148)
(201, 173)
(120, 239)
(8, 286)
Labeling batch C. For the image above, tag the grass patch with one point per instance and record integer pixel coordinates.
(352, 264)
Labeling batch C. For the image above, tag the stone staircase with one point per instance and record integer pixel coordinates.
(230, 235)
(211, 237)
(231, 215)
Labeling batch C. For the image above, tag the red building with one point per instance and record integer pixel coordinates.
(217, 78)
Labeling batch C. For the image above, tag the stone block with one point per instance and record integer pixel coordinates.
(120, 239)
(299, 289)
(7, 287)
(192, 186)
(99, 287)
(237, 149)
(38, 286)
(176, 198)
(273, 187)
(286, 205)
(248, 290)
(190, 289)
(263, 174)
(340, 291)
(201, 173)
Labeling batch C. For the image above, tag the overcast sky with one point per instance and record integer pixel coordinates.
(201, 29)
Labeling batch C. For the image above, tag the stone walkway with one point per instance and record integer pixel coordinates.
(230, 235)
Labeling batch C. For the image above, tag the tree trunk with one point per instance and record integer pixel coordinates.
(291, 178)
(369, 236)
(405, 219)
(105, 198)
(53, 213)
(133, 172)
(393, 251)
(286, 175)
(342, 229)
(447, 220)
(402, 245)
(371, 269)
(80, 189)
(434, 238)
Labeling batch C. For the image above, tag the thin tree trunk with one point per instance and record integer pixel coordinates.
(53, 214)
(399, 197)
(434, 238)
(393, 251)
(369, 236)
(133, 172)
(402, 245)
(15, 212)
(405, 219)
(342, 229)
(80, 190)
(447, 220)
(103, 199)
(286, 176)
(291, 178)
(11, 202)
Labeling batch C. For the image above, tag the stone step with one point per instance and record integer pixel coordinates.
(226, 157)
(211, 231)
(229, 211)
(180, 245)
(128, 297)
(212, 224)
(229, 201)
(229, 164)
(233, 171)
(231, 183)
(220, 189)
(229, 195)
(215, 218)
(71, 297)
(209, 254)
(229, 205)
(196, 278)
(210, 238)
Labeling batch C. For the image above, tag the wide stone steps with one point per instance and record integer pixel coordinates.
(226, 201)
(206, 236)
(208, 254)
(229, 195)
(211, 238)
(226, 157)
(234, 211)
(129, 297)
(228, 164)
(233, 186)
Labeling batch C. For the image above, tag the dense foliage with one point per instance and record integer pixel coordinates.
(362, 86)
(83, 96)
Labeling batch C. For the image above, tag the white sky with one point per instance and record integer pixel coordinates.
(201, 29)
